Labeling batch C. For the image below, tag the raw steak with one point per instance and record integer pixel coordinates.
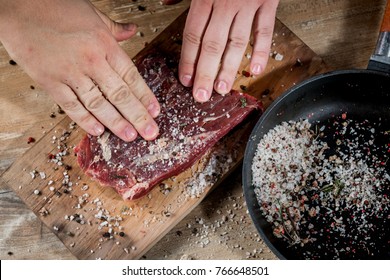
(187, 130)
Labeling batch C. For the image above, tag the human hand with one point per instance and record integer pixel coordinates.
(70, 49)
(215, 37)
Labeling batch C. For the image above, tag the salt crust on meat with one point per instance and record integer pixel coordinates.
(188, 129)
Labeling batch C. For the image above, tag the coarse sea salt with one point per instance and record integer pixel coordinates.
(298, 178)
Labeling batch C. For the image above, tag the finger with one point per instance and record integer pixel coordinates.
(195, 26)
(263, 31)
(120, 31)
(126, 69)
(122, 96)
(93, 100)
(213, 46)
(64, 96)
(236, 46)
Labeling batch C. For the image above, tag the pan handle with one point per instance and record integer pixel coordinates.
(386, 19)
(380, 60)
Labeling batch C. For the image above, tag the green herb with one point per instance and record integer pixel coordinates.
(291, 235)
(338, 187)
(327, 188)
(243, 102)
(335, 187)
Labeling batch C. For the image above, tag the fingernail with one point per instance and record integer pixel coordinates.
(256, 69)
(154, 109)
(202, 95)
(99, 129)
(186, 79)
(151, 131)
(130, 133)
(222, 87)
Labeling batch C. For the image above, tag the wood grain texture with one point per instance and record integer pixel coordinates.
(146, 220)
(342, 32)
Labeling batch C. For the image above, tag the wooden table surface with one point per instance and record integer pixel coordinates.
(343, 32)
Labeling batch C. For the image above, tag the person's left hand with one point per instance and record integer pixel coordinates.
(215, 37)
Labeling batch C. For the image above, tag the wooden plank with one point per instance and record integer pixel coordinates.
(342, 32)
(33, 237)
(143, 222)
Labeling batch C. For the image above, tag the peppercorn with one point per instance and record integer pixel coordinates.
(30, 140)
(246, 73)
(265, 92)
(60, 111)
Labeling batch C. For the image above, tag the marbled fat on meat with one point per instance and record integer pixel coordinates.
(187, 130)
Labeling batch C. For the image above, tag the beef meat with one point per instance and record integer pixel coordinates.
(188, 129)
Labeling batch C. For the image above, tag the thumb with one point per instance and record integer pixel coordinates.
(120, 31)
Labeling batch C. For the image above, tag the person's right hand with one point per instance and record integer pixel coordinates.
(215, 38)
(70, 49)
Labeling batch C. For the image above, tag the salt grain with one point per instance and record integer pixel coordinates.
(283, 167)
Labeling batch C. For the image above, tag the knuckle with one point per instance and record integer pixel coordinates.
(212, 47)
(227, 72)
(94, 102)
(206, 77)
(117, 122)
(238, 42)
(94, 45)
(119, 95)
(192, 38)
(139, 118)
(91, 57)
(262, 32)
(186, 64)
(71, 105)
(131, 75)
(85, 119)
(146, 99)
(261, 53)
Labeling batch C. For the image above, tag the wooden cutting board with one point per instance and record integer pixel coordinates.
(93, 222)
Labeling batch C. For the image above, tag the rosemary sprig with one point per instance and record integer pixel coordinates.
(327, 188)
(335, 187)
(339, 186)
(243, 102)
